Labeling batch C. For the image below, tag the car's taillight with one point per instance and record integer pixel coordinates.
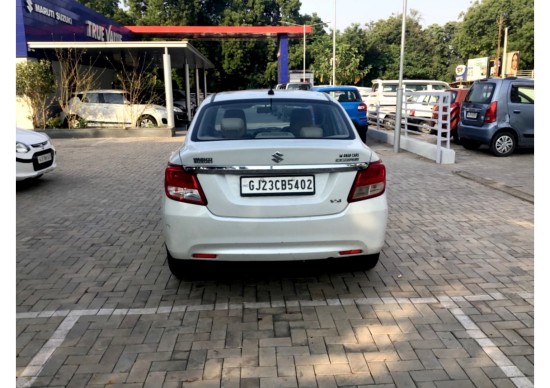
(362, 107)
(369, 183)
(491, 114)
(411, 113)
(182, 186)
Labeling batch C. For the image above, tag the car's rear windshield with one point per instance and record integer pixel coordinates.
(271, 119)
(481, 93)
(344, 95)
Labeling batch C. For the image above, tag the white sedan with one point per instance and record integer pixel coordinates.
(34, 154)
(273, 176)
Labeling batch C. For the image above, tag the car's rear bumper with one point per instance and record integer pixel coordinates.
(482, 134)
(191, 229)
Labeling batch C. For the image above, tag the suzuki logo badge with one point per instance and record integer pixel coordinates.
(277, 157)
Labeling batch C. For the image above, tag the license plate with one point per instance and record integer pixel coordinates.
(278, 185)
(471, 115)
(44, 158)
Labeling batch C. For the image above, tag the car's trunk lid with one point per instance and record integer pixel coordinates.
(292, 178)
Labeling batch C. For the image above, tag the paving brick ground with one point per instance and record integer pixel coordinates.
(449, 305)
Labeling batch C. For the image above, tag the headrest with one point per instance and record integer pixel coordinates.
(343, 98)
(232, 127)
(313, 132)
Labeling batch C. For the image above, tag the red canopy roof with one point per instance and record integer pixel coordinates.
(213, 32)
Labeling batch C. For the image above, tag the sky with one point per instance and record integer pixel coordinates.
(365, 11)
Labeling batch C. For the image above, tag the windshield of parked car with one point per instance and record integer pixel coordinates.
(268, 119)
(298, 86)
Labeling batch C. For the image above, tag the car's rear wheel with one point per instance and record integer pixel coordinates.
(176, 266)
(362, 130)
(388, 123)
(146, 121)
(365, 262)
(456, 138)
(182, 269)
(503, 144)
(470, 144)
(425, 127)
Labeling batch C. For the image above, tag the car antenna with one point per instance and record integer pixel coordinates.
(270, 91)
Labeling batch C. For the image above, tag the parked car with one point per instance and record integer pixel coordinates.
(364, 92)
(247, 185)
(500, 113)
(298, 86)
(384, 92)
(34, 154)
(350, 98)
(457, 97)
(113, 107)
(420, 110)
(158, 97)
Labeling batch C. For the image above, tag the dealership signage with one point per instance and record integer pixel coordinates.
(46, 11)
(102, 33)
(63, 21)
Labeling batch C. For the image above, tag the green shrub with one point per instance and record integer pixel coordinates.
(54, 122)
(35, 82)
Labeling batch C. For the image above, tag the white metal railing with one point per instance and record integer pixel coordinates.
(526, 73)
(422, 124)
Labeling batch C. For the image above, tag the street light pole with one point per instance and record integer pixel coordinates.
(397, 131)
(334, 47)
(304, 26)
(304, 76)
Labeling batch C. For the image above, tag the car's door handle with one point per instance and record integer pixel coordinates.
(517, 111)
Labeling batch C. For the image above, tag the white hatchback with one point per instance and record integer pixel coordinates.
(273, 176)
(34, 154)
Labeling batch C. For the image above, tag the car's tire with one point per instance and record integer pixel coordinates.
(503, 144)
(456, 138)
(182, 269)
(175, 266)
(470, 144)
(365, 262)
(146, 121)
(362, 130)
(425, 127)
(388, 122)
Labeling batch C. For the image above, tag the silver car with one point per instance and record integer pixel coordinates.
(500, 113)
(34, 154)
(250, 184)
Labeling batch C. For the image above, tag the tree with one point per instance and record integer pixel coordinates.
(477, 35)
(384, 48)
(444, 51)
(349, 60)
(77, 73)
(139, 80)
(35, 83)
(110, 9)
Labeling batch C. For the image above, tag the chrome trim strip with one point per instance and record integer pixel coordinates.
(254, 170)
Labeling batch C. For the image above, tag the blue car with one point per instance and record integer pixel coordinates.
(350, 98)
